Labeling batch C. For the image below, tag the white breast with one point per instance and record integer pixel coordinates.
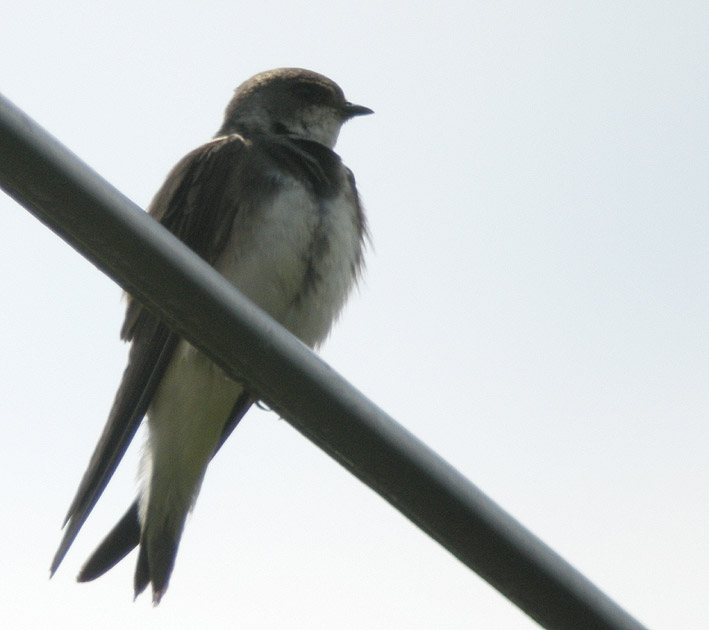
(294, 257)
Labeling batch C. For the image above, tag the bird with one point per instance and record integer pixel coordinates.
(270, 205)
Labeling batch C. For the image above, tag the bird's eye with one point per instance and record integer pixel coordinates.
(280, 129)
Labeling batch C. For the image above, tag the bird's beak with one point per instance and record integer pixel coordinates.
(350, 110)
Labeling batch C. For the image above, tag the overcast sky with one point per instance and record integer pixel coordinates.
(535, 306)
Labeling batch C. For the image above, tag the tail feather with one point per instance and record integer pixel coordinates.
(142, 572)
(156, 561)
(119, 542)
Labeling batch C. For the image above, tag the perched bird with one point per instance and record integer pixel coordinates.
(269, 205)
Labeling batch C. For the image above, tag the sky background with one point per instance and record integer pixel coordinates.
(535, 306)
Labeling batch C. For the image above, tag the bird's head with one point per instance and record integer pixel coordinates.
(291, 102)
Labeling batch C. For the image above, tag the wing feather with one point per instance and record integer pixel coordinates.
(197, 203)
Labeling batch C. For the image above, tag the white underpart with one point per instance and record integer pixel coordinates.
(266, 258)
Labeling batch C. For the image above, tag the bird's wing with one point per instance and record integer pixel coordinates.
(198, 203)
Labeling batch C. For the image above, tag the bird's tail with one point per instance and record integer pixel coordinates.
(119, 542)
(156, 558)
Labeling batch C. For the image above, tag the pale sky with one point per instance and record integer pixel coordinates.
(535, 306)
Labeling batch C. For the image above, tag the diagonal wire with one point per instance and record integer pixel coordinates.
(147, 261)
